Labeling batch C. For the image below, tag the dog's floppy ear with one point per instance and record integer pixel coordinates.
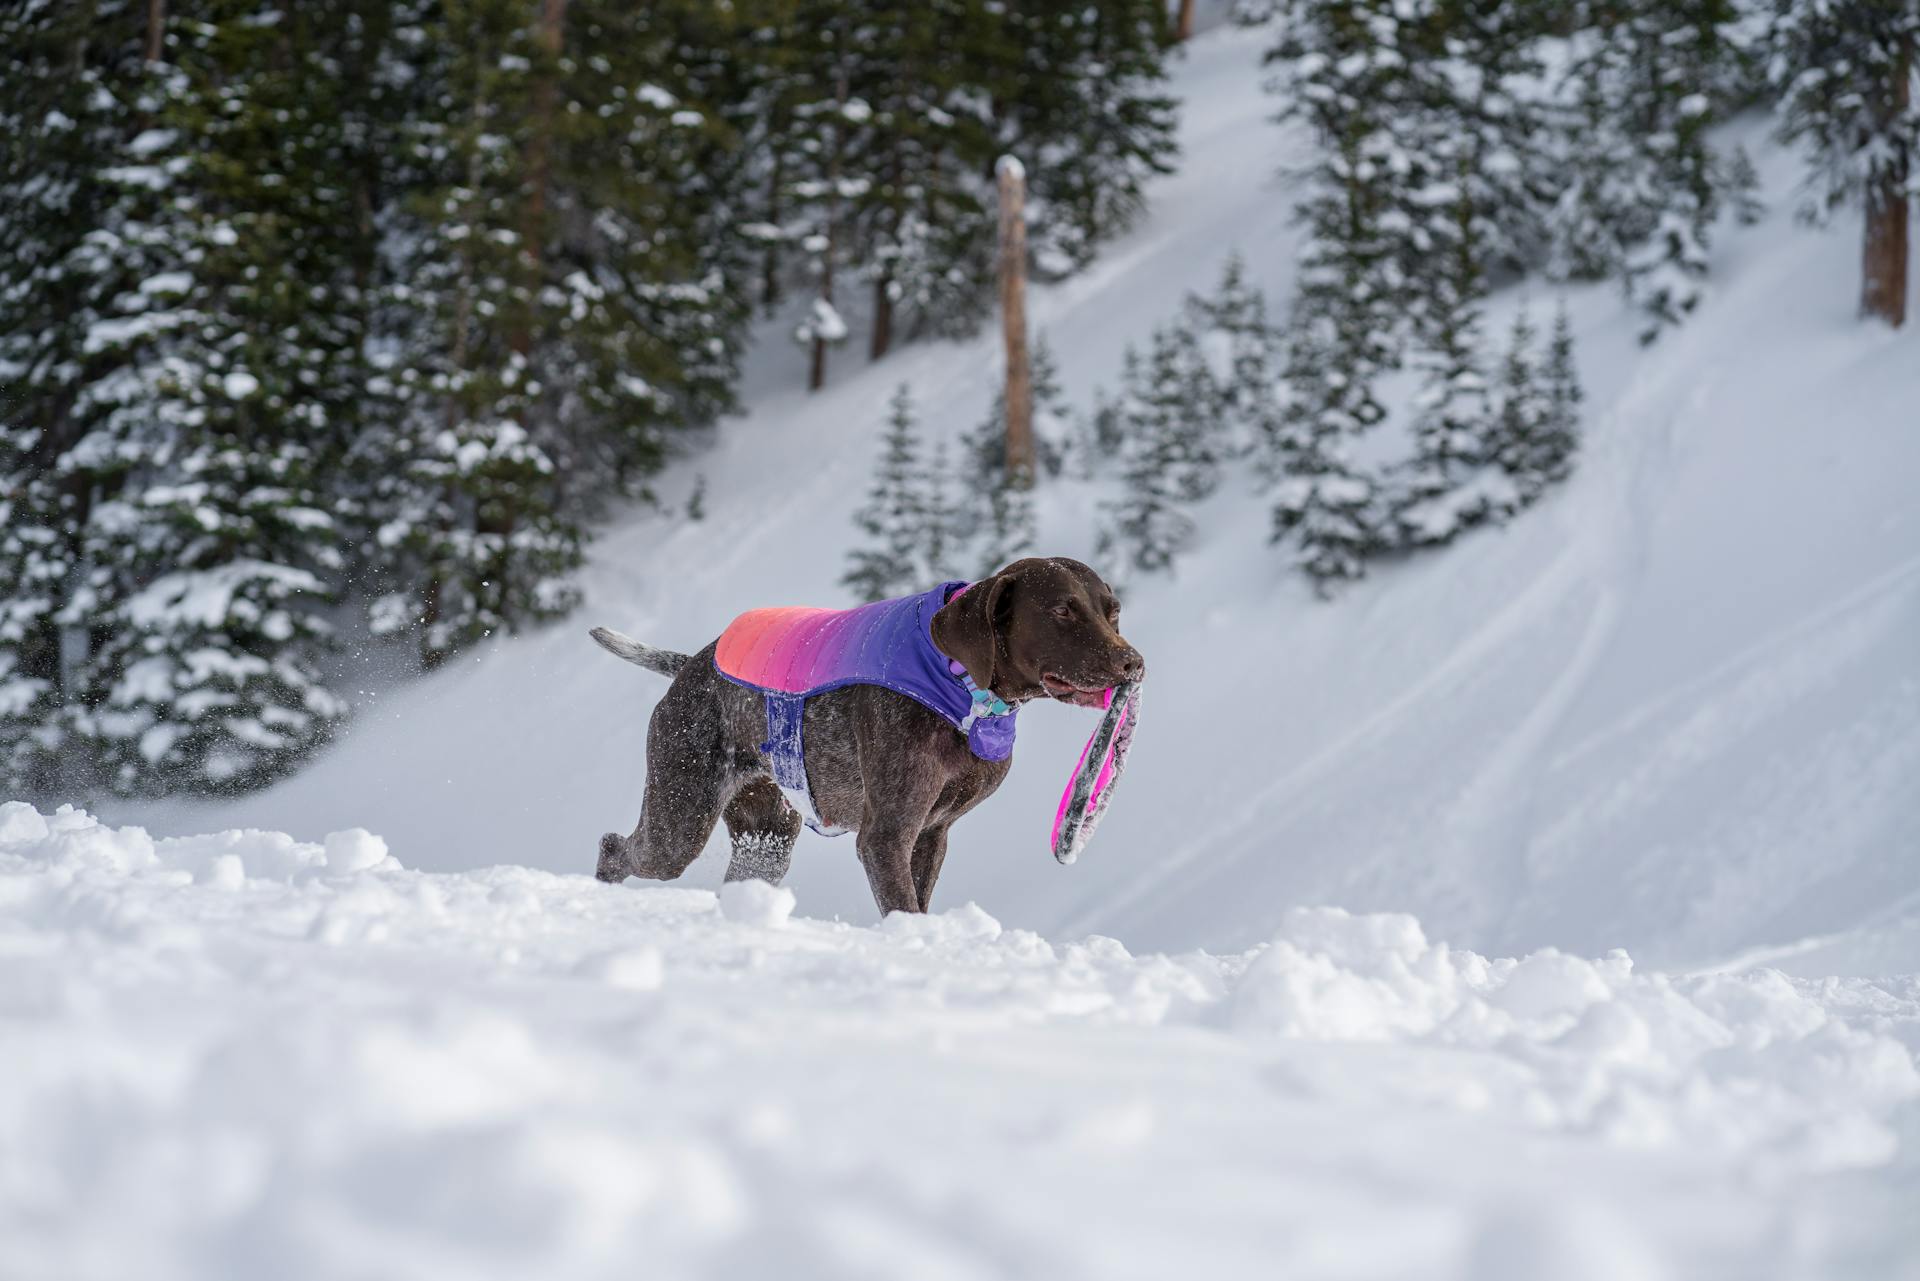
(968, 628)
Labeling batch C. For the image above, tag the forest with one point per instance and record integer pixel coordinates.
(339, 328)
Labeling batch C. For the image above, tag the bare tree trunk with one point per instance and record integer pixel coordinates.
(770, 264)
(817, 375)
(882, 319)
(1013, 312)
(156, 29)
(1183, 25)
(1883, 266)
(546, 93)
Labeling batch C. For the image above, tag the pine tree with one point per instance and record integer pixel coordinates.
(1646, 184)
(1095, 443)
(65, 110)
(895, 518)
(1553, 460)
(1164, 464)
(1240, 349)
(1082, 103)
(1327, 510)
(554, 315)
(1445, 487)
(1346, 328)
(1844, 72)
(1536, 431)
(210, 318)
(922, 224)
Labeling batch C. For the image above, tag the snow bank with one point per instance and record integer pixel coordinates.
(240, 1054)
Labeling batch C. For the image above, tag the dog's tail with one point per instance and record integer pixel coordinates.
(664, 661)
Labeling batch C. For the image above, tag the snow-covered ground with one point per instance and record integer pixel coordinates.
(242, 1056)
(1674, 709)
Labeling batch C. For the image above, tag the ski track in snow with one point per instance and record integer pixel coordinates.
(241, 1055)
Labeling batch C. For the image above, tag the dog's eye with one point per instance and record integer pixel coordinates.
(1063, 612)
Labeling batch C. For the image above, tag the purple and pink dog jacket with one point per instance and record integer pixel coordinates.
(791, 653)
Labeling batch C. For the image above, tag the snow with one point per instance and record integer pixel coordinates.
(756, 903)
(1671, 713)
(271, 1056)
(1673, 708)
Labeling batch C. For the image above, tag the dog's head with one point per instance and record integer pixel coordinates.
(1040, 628)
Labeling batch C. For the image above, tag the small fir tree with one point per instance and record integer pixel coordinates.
(895, 517)
(1240, 350)
(1163, 463)
(1445, 489)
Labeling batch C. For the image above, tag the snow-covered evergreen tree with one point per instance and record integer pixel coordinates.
(1845, 74)
(1328, 512)
(895, 517)
(552, 318)
(1081, 102)
(1536, 425)
(1241, 351)
(1166, 457)
(218, 301)
(1448, 486)
(1552, 460)
(1342, 70)
(1644, 183)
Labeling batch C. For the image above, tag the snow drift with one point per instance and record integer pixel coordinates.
(241, 1054)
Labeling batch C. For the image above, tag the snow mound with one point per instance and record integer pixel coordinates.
(756, 903)
(305, 1059)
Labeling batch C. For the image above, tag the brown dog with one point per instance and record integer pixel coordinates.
(878, 763)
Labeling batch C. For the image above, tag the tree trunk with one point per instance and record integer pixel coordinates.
(156, 29)
(882, 319)
(817, 375)
(770, 264)
(1883, 266)
(1183, 25)
(546, 93)
(1013, 312)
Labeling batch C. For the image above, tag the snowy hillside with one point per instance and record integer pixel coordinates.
(241, 1055)
(1676, 708)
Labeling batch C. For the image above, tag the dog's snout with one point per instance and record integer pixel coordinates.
(1128, 663)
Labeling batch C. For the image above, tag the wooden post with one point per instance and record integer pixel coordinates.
(1013, 312)
(1183, 25)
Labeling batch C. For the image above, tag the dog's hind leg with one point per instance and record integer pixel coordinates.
(764, 828)
(690, 777)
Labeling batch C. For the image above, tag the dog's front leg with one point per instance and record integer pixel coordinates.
(899, 797)
(886, 851)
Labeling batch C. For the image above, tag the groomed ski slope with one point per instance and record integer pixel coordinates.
(244, 1056)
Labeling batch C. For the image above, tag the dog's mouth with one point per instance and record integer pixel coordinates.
(1068, 692)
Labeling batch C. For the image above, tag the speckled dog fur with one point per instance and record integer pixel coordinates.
(879, 763)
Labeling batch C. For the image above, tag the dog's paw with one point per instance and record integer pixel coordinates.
(613, 859)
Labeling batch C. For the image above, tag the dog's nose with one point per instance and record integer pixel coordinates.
(1129, 664)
